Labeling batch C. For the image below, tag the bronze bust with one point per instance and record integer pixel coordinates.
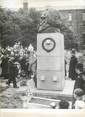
(50, 21)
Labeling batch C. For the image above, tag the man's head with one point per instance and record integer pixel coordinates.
(73, 52)
(79, 68)
(78, 93)
(63, 104)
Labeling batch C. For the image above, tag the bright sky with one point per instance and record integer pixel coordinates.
(15, 4)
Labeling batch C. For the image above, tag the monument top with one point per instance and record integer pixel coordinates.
(50, 21)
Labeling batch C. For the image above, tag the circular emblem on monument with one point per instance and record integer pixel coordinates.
(48, 44)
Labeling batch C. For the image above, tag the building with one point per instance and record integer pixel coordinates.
(76, 18)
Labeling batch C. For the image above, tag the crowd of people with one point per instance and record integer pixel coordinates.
(17, 61)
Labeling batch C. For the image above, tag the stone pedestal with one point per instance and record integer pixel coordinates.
(66, 93)
(50, 61)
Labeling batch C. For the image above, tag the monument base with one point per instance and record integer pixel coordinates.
(66, 93)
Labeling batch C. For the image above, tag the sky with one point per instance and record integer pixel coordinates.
(16, 4)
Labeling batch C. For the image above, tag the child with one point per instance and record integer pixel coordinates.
(78, 96)
(79, 104)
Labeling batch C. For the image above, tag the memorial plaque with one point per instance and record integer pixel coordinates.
(56, 50)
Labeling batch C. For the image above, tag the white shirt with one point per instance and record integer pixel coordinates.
(79, 104)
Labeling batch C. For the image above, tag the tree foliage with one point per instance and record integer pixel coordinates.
(18, 26)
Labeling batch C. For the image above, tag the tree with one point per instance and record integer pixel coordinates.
(10, 31)
(28, 25)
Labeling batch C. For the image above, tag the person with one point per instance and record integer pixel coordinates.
(78, 96)
(0, 61)
(79, 74)
(79, 70)
(63, 104)
(65, 68)
(72, 65)
(80, 104)
(4, 66)
(80, 82)
(24, 65)
(13, 72)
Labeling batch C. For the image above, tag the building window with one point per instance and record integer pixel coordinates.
(83, 16)
(70, 17)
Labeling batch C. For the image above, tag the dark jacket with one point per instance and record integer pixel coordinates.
(13, 70)
(80, 83)
(72, 66)
(4, 65)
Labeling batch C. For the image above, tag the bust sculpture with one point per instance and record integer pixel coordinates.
(50, 21)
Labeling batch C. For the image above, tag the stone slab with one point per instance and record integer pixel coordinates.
(67, 92)
(46, 102)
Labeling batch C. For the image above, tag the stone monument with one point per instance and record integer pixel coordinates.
(51, 83)
(50, 53)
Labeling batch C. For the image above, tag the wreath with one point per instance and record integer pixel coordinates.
(48, 44)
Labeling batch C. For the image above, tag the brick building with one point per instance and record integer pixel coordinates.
(76, 19)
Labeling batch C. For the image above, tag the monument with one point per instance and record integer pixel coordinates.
(50, 54)
(51, 83)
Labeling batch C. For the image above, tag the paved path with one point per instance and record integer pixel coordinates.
(14, 97)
